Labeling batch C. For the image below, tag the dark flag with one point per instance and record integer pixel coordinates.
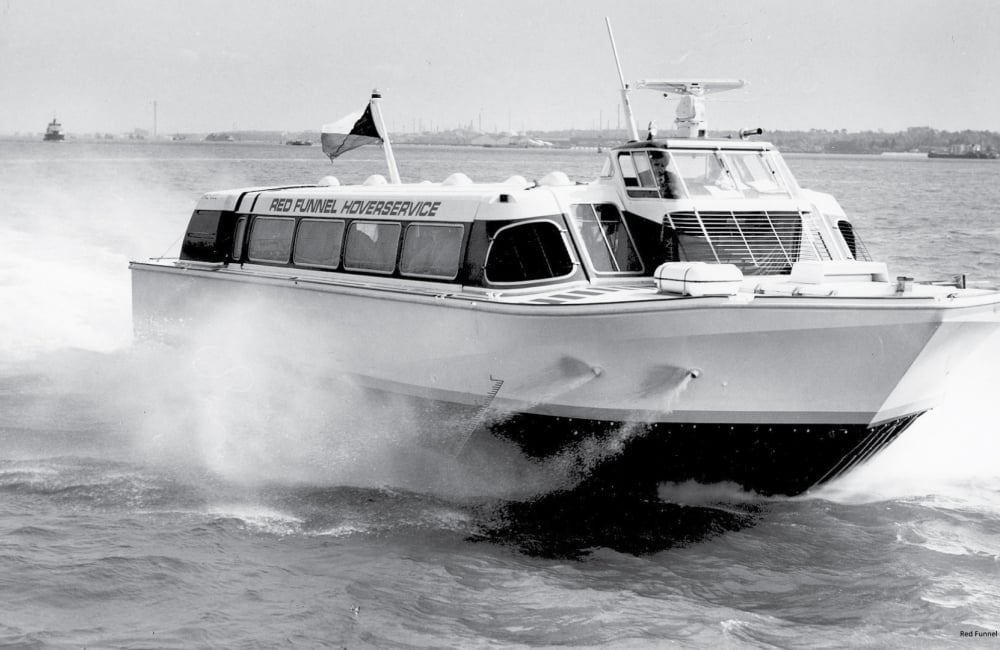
(350, 132)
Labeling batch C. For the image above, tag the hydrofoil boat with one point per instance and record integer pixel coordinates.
(693, 295)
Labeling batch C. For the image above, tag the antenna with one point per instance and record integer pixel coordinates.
(626, 102)
(691, 121)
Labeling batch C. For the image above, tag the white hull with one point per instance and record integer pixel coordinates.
(774, 360)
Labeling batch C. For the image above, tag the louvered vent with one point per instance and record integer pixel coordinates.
(759, 243)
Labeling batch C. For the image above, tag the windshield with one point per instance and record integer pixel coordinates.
(754, 172)
(728, 174)
(704, 175)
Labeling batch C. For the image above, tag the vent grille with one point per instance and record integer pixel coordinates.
(759, 243)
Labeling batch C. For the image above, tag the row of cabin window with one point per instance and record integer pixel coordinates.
(520, 252)
(429, 250)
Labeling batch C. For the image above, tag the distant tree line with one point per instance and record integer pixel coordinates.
(914, 139)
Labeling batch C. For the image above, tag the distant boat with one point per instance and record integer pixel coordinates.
(53, 132)
(219, 137)
(300, 143)
(965, 152)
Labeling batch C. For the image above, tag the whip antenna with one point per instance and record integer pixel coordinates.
(626, 102)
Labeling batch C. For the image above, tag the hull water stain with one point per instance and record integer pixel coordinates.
(159, 500)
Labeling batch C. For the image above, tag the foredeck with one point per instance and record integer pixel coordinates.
(581, 293)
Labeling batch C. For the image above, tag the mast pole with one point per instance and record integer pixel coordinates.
(626, 102)
(390, 160)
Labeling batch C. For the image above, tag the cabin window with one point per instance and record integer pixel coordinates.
(857, 247)
(318, 243)
(431, 251)
(525, 252)
(644, 169)
(753, 173)
(729, 174)
(372, 246)
(207, 236)
(647, 175)
(664, 178)
(271, 239)
(777, 163)
(704, 175)
(606, 238)
(241, 231)
(847, 232)
(630, 176)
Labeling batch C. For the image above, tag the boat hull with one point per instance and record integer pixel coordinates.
(805, 384)
(766, 459)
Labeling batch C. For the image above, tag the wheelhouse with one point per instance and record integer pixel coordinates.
(727, 202)
(700, 172)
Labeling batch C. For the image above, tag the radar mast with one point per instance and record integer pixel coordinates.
(691, 121)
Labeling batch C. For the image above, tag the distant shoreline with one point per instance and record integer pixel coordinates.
(914, 141)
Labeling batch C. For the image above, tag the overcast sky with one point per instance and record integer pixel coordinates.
(214, 65)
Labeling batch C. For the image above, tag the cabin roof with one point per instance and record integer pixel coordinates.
(445, 201)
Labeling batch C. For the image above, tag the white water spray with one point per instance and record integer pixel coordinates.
(575, 463)
(950, 452)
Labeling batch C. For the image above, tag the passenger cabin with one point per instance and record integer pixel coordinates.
(657, 201)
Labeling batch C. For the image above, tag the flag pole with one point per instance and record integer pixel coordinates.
(390, 160)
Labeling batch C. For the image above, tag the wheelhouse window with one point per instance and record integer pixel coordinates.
(648, 174)
(606, 238)
(644, 169)
(704, 175)
(754, 174)
(629, 174)
(372, 246)
(526, 252)
(318, 243)
(271, 239)
(729, 174)
(431, 251)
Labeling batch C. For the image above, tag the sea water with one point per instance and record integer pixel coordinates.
(155, 498)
